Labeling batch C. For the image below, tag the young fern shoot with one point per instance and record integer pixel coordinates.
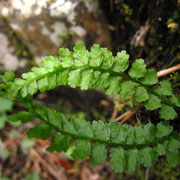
(130, 146)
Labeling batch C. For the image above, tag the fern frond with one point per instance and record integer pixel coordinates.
(99, 69)
(130, 146)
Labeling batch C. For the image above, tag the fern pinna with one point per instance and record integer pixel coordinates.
(129, 146)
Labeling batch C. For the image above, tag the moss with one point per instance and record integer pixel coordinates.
(66, 36)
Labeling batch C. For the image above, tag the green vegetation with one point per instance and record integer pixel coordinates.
(129, 146)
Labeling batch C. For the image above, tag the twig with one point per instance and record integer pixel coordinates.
(168, 71)
(115, 111)
(147, 173)
(139, 37)
(114, 115)
(128, 113)
(57, 175)
(129, 116)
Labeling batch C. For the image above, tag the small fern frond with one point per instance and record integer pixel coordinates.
(129, 146)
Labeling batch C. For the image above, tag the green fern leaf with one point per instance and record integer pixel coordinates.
(87, 79)
(69, 127)
(104, 80)
(130, 139)
(24, 92)
(80, 54)
(28, 75)
(166, 88)
(22, 116)
(48, 115)
(141, 94)
(50, 63)
(172, 144)
(150, 132)
(139, 134)
(41, 131)
(51, 81)
(138, 69)
(148, 156)
(8, 76)
(167, 112)
(114, 86)
(23, 88)
(2, 86)
(175, 99)
(150, 77)
(42, 85)
(59, 79)
(66, 56)
(59, 143)
(98, 154)
(96, 57)
(118, 133)
(32, 88)
(5, 105)
(158, 90)
(108, 58)
(83, 127)
(133, 159)
(153, 102)
(173, 158)
(39, 70)
(74, 79)
(118, 161)
(64, 77)
(82, 149)
(101, 130)
(97, 79)
(163, 129)
(160, 149)
(18, 83)
(54, 118)
(127, 89)
(121, 61)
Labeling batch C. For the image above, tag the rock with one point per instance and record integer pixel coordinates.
(44, 26)
(7, 59)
